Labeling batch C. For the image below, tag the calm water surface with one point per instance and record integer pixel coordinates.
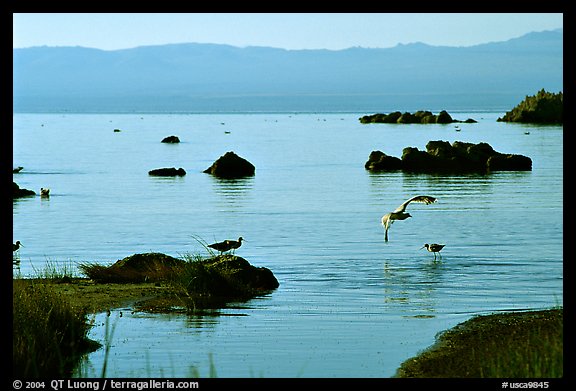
(349, 304)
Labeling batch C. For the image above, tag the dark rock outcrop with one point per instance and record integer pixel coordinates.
(379, 161)
(137, 268)
(208, 283)
(17, 192)
(419, 117)
(231, 166)
(171, 171)
(441, 156)
(509, 162)
(229, 276)
(171, 140)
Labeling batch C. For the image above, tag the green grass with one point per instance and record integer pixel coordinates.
(512, 345)
(56, 271)
(48, 335)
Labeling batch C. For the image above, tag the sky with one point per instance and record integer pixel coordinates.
(292, 31)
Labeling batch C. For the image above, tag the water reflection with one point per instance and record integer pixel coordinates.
(232, 192)
(411, 288)
(206, 321)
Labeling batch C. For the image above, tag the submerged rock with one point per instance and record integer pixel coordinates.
(172, 171)
(231, 165)
(441, 156)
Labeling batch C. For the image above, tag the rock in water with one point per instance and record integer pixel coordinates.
(172, 171)
(231, 165)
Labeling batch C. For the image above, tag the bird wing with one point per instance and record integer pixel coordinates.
(217, 245)
(386, 220)
(423, 199)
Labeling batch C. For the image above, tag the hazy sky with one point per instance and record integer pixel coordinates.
(110, 31)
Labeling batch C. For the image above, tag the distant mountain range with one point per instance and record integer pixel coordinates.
(199, 77)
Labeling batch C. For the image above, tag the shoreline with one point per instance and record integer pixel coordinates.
(457, 353)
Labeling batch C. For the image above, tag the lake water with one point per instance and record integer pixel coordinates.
(349, 304)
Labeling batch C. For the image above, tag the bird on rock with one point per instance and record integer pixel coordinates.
(226, 245)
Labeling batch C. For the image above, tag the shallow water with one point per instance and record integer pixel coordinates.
(349, 304)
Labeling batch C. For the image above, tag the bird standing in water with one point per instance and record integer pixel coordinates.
(434, 248)
(226, 245)
(399, 214)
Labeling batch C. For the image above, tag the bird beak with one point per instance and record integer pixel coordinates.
(421, 247)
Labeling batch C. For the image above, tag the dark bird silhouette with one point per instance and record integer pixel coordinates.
(399, 214)
(226, 245)
(434, 248)
(15, 256)
(16, 246)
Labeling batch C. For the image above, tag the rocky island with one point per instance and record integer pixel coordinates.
(419, 117)
(542, 108)
(441, 156)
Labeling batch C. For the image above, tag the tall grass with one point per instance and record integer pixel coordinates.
(56, 271)
(510, 345)
(535, 352)
(48, 334)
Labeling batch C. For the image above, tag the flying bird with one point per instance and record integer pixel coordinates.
(434, 248)
(226, 245)
(399, 214)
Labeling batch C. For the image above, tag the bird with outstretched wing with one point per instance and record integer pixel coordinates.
(399, 212)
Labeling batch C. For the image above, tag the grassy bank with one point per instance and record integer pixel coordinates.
(51, 311)
(49, 335)
(509, 345)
